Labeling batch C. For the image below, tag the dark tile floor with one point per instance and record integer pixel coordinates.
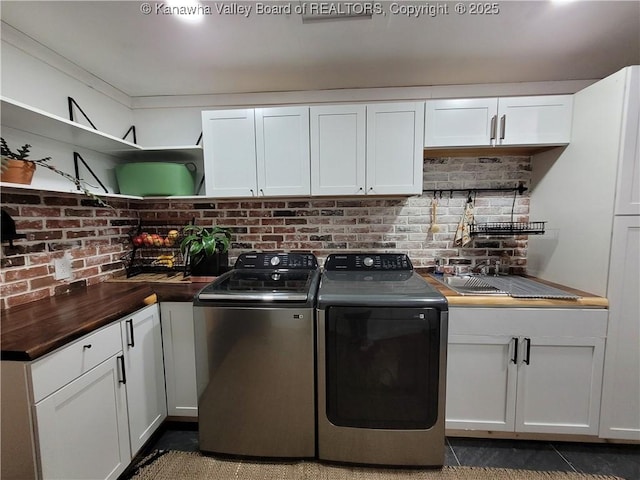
(620, 460)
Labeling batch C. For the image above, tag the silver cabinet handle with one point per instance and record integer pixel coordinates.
(503, 126)
(252, 192)
(494, 127)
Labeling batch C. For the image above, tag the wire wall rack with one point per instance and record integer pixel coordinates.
(495, 229)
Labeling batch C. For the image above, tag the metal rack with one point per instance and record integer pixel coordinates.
(154, 258)
(503, 229)
(518, 189)
(495, 229)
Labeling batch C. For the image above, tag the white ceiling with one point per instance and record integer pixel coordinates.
(158, 54)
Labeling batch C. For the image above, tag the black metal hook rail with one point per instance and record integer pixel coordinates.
(520, 189)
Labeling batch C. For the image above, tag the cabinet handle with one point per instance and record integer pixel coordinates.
(124, 373)
(86, 347)
(503, 126)
(514, 359)
(252, 192)
(262, 192)
(494, 127)
(527, 356)
(130, 324)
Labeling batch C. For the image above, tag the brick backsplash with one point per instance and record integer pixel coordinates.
(97, 237)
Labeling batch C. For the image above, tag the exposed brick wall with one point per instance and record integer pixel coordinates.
(94, 236)
(377, 224)
(97, 237)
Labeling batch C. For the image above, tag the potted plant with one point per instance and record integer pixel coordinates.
(206, 249)
(17, 167)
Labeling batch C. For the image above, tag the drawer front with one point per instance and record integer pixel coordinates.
(69, 362)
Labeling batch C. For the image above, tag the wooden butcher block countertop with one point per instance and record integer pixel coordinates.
(586, 300)
(37, 328)
(29, 331)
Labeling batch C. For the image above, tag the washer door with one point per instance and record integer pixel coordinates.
(382, 367)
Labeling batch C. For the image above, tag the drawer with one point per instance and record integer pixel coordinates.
(62, 366)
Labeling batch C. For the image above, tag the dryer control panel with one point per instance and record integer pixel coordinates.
(368, 261)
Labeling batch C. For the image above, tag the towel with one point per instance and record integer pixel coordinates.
(463, 235)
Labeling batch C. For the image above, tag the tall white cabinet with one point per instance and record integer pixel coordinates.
(589, 193)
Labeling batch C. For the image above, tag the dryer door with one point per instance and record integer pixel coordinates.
(382, 367)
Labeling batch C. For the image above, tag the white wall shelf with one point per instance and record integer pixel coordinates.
(28, 119)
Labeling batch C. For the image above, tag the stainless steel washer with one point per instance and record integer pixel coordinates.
(254, 329)
(382, 342)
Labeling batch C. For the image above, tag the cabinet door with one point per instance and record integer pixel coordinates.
(535, 120)
(481, 383)
(282, 151)
(82, 428)
(628, 190)
(179, 358)
(620, 414)
(338, 142)
(559, 384)
(460, 123)
(229, 143)
(395, 142)
(146, 399)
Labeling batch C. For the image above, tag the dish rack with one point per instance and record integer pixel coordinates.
(507, 228)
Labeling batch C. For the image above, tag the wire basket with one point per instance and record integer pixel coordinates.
(507, 228)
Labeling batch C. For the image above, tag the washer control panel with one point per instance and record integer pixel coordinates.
(368, 261)
(277, 260)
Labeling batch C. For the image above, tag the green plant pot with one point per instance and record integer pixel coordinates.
(211, 266)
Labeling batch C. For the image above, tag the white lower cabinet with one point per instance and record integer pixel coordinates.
(179, 358)
(82, 428)
(146, 400)
(84, 410)
(534, 370)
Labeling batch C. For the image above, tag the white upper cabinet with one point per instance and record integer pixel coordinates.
(373, 149)
(464, 122)
(256, 152)
(338, 143)
(394, 148)
(544, 120)
(282, 150)
(228, 138)
(513, 121)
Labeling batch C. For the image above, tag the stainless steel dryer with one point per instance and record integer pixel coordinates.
(382, 340)
(254, 330)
